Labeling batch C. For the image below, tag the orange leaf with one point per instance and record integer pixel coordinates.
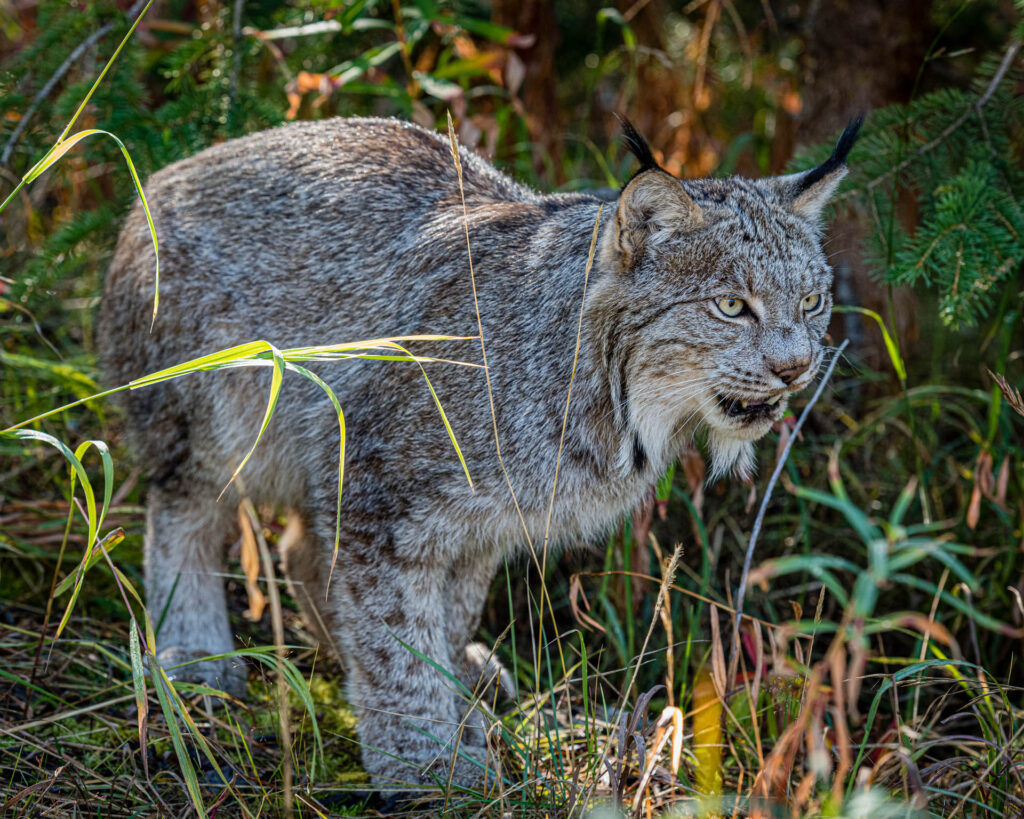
(251, 567)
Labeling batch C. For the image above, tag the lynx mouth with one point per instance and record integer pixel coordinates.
(750, 410)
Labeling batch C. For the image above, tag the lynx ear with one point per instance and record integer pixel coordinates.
(653, 205)
(809, 191)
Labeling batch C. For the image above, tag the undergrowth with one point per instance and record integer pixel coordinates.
(873, 666)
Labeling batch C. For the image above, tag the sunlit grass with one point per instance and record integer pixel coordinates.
(870, 677)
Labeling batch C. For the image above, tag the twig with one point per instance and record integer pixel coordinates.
(236, 61)
(759, 520)
(51, 83)
(44, 92)
(666, 585)
(634, 10)
(710, 18)
(1004, 66)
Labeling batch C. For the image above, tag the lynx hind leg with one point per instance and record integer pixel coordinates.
(184, 554)
(307, 564)
(392, 613)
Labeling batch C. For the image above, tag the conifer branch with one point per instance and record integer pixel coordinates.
(950, 129)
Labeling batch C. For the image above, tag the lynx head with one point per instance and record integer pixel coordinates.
(715, 297)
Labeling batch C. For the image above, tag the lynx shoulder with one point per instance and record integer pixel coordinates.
(705, 309)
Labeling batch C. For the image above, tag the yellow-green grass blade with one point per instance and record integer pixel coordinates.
(213, 361)
(103, 73)
(95, 520)
(63, 408)
(444, 419)
(112, 540)
(384, 341)
(275, 391)
(108, 474)
(341, 455)
(77, 473)
(139, 684)
(81, 105)
(76, 468)
(890, 343)
(188, 770)
(263, 353)
(65, 145)
(254, 354)
(233, 356)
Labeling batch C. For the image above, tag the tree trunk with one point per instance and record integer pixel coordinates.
(539, 94)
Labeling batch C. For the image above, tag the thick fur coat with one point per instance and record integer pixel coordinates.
(705, 308)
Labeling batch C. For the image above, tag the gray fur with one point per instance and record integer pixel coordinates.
(345, 229)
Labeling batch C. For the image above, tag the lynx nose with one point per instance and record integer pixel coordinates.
(791, 373)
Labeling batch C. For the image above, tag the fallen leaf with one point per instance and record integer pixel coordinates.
(250, 558)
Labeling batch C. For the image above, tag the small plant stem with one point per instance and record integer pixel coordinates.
(49, 607)
(663, 589)
(277, 622)
(759, 520)
(457, 161)
(1009, 322)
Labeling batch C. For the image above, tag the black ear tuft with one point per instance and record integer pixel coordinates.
(838, 158)
(637, 145)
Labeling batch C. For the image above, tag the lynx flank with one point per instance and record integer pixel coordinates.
(705, 309)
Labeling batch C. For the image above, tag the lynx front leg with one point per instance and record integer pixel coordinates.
(393, 611)
(184, 558)
(469, 583)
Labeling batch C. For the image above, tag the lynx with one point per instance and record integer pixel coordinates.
(705, 309)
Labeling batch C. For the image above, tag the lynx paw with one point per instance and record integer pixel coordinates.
(469, 772)
(224, 674)
(483, 669)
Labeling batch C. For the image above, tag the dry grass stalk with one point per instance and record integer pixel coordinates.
(277, 621)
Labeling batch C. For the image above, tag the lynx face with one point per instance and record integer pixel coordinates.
(730, 291)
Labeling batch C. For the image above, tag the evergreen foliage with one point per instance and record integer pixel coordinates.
(939, 181)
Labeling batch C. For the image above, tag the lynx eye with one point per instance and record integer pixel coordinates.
(731, 307)
(811, 303)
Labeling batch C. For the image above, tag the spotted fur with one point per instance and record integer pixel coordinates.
(344, 229)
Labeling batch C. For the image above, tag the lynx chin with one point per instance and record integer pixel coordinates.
(705, 309)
